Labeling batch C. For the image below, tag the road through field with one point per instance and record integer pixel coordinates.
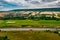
(27, 29)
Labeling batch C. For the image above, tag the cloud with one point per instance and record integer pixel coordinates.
(48, 0)
(1, 7)
(35, 3)
(5, 5)
(24, 4)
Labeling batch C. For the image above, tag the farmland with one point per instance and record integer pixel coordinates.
(29, 23)
(30, 35)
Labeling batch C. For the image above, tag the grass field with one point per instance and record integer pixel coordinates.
(30, 23)
(30, 35)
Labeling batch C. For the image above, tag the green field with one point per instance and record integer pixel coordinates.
(30, 35)
(30, 23)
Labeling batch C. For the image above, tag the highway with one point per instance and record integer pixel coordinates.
(27, 29)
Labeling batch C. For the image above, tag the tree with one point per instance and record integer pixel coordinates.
(43, 16)
(4, 38)
(58, 15)
(53, 16)
(38, 15)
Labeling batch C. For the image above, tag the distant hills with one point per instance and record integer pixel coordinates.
(43, 9)
(40, 9)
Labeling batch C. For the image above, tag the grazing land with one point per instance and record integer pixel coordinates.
(29, 23)
(30, 35)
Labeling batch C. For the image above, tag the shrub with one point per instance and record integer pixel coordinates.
(56, 32)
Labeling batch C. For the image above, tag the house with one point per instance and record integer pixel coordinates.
(47, 14)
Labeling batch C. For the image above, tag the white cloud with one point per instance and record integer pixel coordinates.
(1, 7)
(29, 3)
(11, 8)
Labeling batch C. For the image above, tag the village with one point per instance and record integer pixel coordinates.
(30, 15)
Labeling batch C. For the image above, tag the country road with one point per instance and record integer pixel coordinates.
(26, 29)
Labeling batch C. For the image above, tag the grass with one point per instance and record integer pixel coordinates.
(30, 35)
(31, 23)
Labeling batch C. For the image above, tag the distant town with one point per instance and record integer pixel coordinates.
(47, 15)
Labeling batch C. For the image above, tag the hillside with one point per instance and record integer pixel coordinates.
(43, 9)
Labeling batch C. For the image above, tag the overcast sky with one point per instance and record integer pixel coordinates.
(27, 4)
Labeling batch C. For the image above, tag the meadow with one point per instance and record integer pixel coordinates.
(29, 23)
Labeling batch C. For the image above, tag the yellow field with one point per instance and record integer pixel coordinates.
(30, 35)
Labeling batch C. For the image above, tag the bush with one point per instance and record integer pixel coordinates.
(56, 32)
(4, 38)
(47, 31)
(59, 34)
(24, 25)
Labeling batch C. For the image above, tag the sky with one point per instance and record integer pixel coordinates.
(6, 5)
